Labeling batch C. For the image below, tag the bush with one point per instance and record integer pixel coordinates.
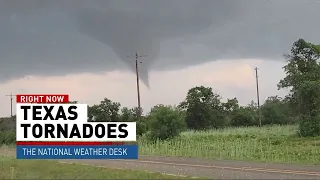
(273, 114)
(309, 126)
(8, 123)
(165, 122)
(7, 137)
(142, 125)
(243, 117)
(199, 118)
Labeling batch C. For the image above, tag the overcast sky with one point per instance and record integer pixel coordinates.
(86, 48)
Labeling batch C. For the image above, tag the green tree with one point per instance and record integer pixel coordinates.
(135, 111)
(106, 111)
(165, 122)
(303, 80)
(243, 116)
(275, 111)
(231, 105)
(127, 115)
(246, 115)
(203, 108)
(229, 108)
(91, 112)
(142, 125)
(132, 115)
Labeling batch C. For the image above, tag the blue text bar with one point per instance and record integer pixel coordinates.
(78, 152)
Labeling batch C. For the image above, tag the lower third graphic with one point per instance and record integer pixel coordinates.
(77, 152)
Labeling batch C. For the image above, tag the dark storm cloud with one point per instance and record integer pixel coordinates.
(48, 37)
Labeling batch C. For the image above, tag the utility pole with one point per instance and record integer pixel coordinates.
(138, 83)
(258, 96)
(11, 103)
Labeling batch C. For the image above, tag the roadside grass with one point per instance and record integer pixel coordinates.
(11, 168)
(268, 144)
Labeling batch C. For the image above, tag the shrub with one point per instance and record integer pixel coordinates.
(243, 117)
(7, 137)
(165, 122)
(309, 126)
(142, 125)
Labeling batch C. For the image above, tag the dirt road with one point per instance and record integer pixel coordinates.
(204, 168)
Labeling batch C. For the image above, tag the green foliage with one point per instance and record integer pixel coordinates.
(239, 116)
(165, 122)
(275, 111)
(7, 137)
(231, 105)
(243, 116)
(132, 115)
(203, 108)
(127, 115)
(309, 126)
(267, 144)
(142, 126)
(106, 111)
(303, 79)
(8, 123)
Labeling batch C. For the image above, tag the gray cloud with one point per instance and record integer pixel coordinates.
(48, 37)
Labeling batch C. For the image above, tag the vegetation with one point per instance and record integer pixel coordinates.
(303, 77)
(267, 144)
(11, 168)
(204, 126)
(165, 122)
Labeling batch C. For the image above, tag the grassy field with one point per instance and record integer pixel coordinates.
(11, 168)
(270, 144)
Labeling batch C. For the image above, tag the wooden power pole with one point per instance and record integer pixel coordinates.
(137, 62)
(11, 103)
(258, 96)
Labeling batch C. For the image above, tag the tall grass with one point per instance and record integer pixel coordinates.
(272, 143)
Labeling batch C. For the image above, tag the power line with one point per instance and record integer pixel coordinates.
(258, 96)
(11, 103)
(137, 62)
